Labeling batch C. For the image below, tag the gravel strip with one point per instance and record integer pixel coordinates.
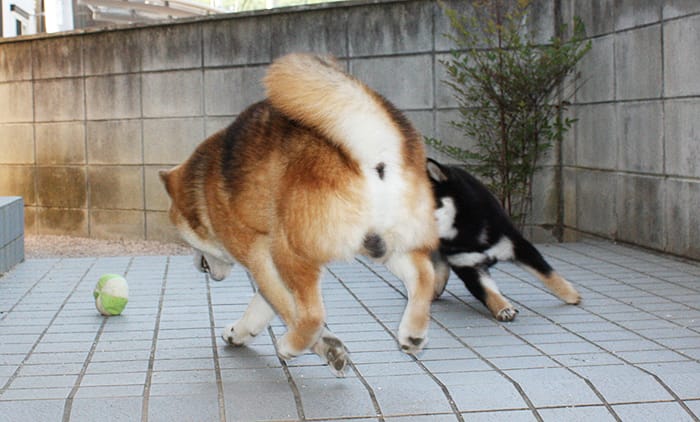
(43, 246)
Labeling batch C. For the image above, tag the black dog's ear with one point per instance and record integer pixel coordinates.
(435, 171)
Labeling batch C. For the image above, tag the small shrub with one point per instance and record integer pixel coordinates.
(510, 95)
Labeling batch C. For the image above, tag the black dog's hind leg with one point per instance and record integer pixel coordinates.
(527, 255)
(480, 284)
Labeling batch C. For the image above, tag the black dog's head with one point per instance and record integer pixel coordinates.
(444, 190)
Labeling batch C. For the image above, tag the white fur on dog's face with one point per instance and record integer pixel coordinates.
(445, 217)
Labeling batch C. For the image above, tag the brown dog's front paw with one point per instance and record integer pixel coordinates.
(413, 345)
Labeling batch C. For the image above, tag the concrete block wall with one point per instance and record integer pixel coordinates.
(11, 232)
(87, 119)
(631, 166)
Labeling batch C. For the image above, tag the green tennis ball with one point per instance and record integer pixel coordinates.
(111, 294)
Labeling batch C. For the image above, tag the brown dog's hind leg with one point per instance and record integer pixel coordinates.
(333, 351)
(416, 272)
(302, 278)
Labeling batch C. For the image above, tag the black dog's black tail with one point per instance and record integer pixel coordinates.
(526, 254)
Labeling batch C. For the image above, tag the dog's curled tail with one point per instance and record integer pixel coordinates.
(318, 93)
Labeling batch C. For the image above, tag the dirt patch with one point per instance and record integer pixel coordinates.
(44, 246)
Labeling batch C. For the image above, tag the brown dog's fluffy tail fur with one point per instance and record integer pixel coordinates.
(318, 93)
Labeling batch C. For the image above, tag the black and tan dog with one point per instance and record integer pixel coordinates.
(475, 233)
(321, 170)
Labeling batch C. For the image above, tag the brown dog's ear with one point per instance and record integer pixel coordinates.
(165, 178)
(435, 171)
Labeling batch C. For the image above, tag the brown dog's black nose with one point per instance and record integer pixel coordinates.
(204, 265)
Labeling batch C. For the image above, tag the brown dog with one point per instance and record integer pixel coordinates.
(321, 170)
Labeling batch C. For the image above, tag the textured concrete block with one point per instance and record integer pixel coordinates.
(230, 91)
(682, 134)
(406, 81)
(171, 47)
(29, 220)
(596, 144)
(568, 144)
(597, 15)
(116, 187)
(15, 62)
(16, 103)
(545, 197)
(640, 137)
(444, 94)
(442, 22)
(63, 187)
(16, 144)
(638, 63)
(422, 121)
(640, 210)
(597, 82)
(114, 142)
(112, 52)
(632, 13)
(215, 124)
(71, 222)
(682, 57)
(447, 132)
(569, 195)
(170, 141)
(156, 197)
(322, 31)
(111, 224)
(59, 99)
(595, 204)
(391, 28)
(60, 143)
(159, 227)
(682, 198)
(677, 220)
(113, 97)
(541, 21)
(241, 41)
(18, 181)
(57, 57)
(172, 94)
(675, 8)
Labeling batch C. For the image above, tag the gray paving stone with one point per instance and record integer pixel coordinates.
(102, 391)
(335, 398)
(113, 408)
(409, 394)
(423, 418)
(256, 387)
(251, 400)
(186, 407)
(43, 393)
(577, 414)
(653, 412)
(469, 398)
(31, 410)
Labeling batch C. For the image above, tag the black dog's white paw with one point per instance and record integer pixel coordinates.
(507, 314)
